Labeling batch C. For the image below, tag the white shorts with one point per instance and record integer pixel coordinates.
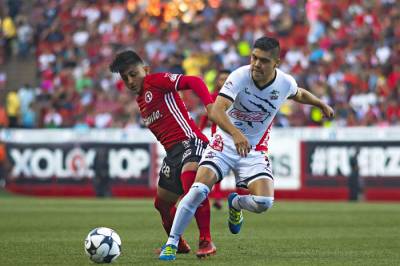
(223, 158)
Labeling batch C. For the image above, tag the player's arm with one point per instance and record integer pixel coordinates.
(203, 122)
(305, 97)
(218, 116)
(197, 85)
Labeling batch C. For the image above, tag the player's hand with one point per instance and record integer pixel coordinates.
(327, 111)
(242, 144)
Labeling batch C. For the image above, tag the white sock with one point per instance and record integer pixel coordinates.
(253, 203)
(185, 211)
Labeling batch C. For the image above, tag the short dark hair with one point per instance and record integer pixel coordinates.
(124, 59)
(224, 71)
(268, 44)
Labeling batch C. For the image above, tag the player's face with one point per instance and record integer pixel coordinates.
(133, 77)
(263, 65)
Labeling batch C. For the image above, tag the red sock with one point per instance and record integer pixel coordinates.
(217, 191)
(167, 212)
(202, 214)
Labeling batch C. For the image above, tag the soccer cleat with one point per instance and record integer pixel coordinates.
(206, 248)
(235, 220)
(168, 252)
(183, 247)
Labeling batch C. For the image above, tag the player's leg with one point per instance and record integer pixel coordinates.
(217, 196)
(260, 199)
(202, 214)
(254, 173)
(187, 207)
(165, 204)
(213, 166)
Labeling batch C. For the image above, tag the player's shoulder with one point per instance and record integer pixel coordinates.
(240, 75)
(161, 77)
(282, 76)
(243, 71)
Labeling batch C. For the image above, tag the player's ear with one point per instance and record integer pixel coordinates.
(277, 62)
(146, 69)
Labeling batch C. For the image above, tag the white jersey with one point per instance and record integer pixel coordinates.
(254, 108)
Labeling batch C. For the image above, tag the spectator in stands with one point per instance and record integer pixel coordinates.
(13, 108)
(340, 43)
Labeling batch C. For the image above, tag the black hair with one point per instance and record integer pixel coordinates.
(123, 60)
(224, 71)
(268, 44)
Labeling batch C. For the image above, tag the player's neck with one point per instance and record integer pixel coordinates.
(264, 84)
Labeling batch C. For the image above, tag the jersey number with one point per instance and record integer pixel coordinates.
(166, 170)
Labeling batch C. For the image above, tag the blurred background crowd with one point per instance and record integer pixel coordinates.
(345, 51)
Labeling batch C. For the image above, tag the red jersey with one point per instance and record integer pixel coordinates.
(204, 119)
(164, 112)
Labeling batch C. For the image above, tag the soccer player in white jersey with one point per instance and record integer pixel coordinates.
(243, 112)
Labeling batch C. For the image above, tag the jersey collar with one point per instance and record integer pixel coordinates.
(266, 85)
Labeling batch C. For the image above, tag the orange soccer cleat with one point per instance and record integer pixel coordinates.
(183, 247)
(206, 248)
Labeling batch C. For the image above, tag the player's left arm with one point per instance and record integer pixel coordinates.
(197, 85)
(305, 97)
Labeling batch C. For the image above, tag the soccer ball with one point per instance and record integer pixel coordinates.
(103, 245)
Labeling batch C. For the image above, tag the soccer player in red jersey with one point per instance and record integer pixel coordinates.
(220, 80)
(165, 114)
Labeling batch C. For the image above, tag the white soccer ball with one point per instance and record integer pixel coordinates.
(103, 245)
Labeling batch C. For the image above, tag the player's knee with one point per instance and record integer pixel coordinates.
(263, 203)
(196, 195)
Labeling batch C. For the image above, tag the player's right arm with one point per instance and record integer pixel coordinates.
(218, 116)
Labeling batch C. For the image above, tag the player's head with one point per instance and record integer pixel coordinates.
(221, 77)
(264, 59)
(131, 68)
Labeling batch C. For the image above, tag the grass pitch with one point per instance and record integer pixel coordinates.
(48, 231)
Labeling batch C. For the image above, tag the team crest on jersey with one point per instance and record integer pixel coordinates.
(148, 96)
(274, 95)
(217, 143)
(172, 77)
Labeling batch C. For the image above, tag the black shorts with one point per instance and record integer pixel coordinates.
(181, 153)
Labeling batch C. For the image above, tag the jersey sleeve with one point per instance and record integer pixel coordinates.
(166, 81)
(232, 86)
(292, 87)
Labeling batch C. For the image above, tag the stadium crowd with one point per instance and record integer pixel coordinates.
(347, 52)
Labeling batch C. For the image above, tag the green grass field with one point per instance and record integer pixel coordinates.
(48, 231)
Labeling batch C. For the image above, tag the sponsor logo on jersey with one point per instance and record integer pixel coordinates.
(249, 116)
(186, 154)
(210, 155)
(148, 96)
(151, 118)
(172, 77)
